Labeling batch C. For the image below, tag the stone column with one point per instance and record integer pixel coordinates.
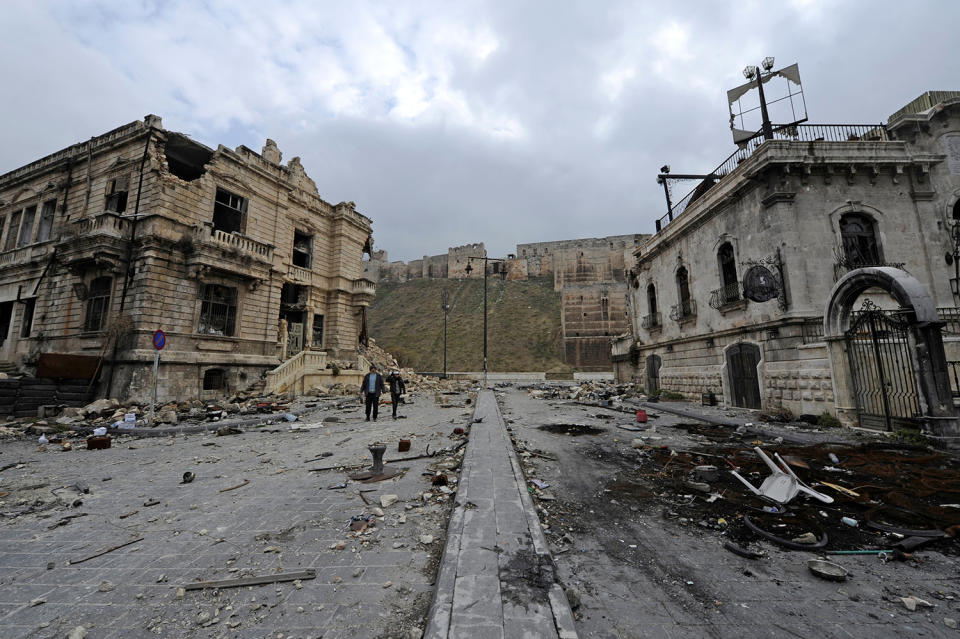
(844, 401)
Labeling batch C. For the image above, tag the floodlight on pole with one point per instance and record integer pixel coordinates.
(767, 63)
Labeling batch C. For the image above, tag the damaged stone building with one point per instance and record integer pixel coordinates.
(816, 272)
(234, 255)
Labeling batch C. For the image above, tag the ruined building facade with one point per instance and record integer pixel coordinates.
(588, 273)
(231, 253)
(817, 273)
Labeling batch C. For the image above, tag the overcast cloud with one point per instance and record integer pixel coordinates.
(456, 122)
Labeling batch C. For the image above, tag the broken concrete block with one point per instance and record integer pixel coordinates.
(388, 500)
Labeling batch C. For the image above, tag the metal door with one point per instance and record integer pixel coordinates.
(742, 361)
(295, 332)
(882, 369)
(653, 373)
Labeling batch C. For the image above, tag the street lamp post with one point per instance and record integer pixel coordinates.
(469, 270)
(752, 72)
(445, 303)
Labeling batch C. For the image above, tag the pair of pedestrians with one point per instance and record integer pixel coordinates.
(373, 386)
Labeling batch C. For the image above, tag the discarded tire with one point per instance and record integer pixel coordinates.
(780, 541)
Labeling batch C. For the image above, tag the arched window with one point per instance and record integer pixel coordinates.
(683, 292)
(860, 244)
(728, 273)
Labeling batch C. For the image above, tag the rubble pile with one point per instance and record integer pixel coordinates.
(601, 393)
(385, 362)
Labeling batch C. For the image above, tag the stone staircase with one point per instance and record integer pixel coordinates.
(9, 368)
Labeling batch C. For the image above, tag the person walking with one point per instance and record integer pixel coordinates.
(372, 387)
(397, 389)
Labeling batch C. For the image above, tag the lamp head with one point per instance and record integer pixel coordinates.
(750, 72)
(767, 63)
(665, 168)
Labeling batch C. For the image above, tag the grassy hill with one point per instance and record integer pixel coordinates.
(523, 324)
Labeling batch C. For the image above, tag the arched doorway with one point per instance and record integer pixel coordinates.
(653, 373)
(889, 366)
(742, 362)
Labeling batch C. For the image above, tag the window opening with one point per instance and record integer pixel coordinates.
(46, 220)
(604, 309)
(98, 304)
(11, 240)
(26, 226)
(956, 210)
(728, 273)
(652, 298)
(117, 194)
(302, 249)
(683, 291)
(317, 330)
(229, 212)
(860, 244)
(214, 379)
(27, 323)
(218, 312)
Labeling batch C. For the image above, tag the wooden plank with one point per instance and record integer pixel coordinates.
(252, 581)
(104, 552)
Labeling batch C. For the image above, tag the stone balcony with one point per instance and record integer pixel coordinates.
(237, 243)
(364, 291)
(107, 224)
(299, 275)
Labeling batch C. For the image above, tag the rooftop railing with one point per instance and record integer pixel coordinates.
(793, 133)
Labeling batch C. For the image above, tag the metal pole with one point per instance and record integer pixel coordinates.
(445, 308)
(156, 367)
(484, 321)
(767, 128)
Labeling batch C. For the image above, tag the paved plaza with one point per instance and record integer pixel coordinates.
(376, 584)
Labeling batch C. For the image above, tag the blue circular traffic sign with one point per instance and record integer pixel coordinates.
(159, 339)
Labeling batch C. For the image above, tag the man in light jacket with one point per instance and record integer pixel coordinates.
(372, 387)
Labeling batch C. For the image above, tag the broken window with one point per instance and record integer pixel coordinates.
(26, 225)
(317, 330)
(3, 219)
(860, 244)
(12, 230)
(302, 249)
(46, 220)
(652, 298)
(117, 195)
(229, 212)
(98, 304)
(27, 321)
(214, 379)
(6, 313)
(218, 312)
(292, 295)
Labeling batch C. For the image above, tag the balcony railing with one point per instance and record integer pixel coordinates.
(683, 311)
(726, 295)
(651, 321)
(364, 287)
(795, 133)
(811, 331)
(951, 319)
(843, 267)
(241, 243)
(107, 223)
(299, 274)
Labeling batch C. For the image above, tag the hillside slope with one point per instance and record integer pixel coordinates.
(523, 316)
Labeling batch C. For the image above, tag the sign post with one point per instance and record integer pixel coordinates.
(159, 341)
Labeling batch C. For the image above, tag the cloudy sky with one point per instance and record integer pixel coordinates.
(456, 122)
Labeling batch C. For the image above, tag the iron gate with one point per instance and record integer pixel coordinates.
(882, 369)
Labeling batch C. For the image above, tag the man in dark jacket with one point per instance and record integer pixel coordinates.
(371, 388)
(397, 388)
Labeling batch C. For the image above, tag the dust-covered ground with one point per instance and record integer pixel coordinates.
(638, 536)
(107, 540)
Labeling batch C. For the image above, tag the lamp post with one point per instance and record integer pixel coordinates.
(445, 305)
(469, 270)
(752, 72)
